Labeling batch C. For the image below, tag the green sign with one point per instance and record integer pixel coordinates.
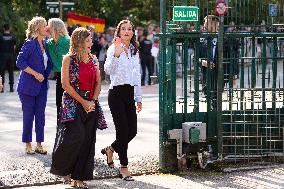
(185, 13)
(54, 8)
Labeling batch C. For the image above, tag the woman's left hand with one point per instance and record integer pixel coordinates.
(92, 107)
(139, 106)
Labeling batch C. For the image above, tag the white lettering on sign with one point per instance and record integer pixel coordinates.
(185, 14)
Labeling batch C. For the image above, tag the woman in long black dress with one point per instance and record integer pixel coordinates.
(74, 149)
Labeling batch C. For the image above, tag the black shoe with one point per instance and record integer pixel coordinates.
(79, 185)
(126, 178)
(67, 181)
(11, 89)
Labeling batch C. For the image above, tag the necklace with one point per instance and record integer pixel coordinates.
(85, 60)
(41, 47)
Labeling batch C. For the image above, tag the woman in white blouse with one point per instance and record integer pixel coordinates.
(122, 64)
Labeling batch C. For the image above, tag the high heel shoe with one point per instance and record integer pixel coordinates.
(67, 180)
(125, 177)
(79, 185)
(105, 152)
(29, 150)
(40, 150)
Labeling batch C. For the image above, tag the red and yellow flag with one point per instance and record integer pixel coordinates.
(97, 23)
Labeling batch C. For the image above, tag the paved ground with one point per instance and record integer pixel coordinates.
(18, 169)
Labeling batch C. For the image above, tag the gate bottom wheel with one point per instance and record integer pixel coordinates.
(203, 159)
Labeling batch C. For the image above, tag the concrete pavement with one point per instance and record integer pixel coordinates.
(18, 169)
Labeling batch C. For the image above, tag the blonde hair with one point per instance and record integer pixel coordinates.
(77, 42)
(33, 26)
(57, 26)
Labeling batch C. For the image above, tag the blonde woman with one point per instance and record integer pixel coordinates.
(34, 62)
(57, 46)
(74, 149)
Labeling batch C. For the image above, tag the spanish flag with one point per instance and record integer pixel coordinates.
(97, 23)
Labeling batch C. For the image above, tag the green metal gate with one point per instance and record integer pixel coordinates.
(247, 121)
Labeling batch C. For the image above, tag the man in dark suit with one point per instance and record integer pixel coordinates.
(209, 57)
(7, 53)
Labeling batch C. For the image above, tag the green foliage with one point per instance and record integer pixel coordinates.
(17, 13)
(140, 12)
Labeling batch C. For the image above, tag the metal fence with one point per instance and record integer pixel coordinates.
(249, 124)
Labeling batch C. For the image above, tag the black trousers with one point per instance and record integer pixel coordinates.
(102, 71)
(59, 93)
(147, 61)
(74, 147)
(7, 62)
(122, 106)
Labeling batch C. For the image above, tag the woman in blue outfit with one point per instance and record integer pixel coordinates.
(33, 61)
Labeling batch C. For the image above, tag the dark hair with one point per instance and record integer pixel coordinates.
(145, 33)
(132, 40)
(6, 27)
(212, 17)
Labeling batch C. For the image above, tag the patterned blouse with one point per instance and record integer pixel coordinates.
(69, 104)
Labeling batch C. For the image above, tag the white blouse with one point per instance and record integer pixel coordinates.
(45, 59)
(124, 70)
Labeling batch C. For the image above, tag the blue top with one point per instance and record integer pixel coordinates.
(32, 56)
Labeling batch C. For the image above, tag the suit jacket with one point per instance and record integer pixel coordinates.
(31, 56)
(209, 50)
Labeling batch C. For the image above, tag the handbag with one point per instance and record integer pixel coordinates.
(101, 124)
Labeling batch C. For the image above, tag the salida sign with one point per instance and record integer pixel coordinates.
(185, 13)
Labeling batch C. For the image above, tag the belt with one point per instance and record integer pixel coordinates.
(84, 93)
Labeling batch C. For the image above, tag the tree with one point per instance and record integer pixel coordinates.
(17, 13)
(140, 12)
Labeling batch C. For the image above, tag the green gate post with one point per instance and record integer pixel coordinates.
(167, 150)
(162, 130)
(220, 79)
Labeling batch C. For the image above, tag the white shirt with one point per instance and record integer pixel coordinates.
(124, 70)
(45, 59)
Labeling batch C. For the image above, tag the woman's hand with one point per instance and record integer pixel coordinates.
(39, 77)
(139, 106)
(118, 47)
(89, 106)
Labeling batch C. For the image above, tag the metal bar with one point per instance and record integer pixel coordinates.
(253, 72)
(172, 73)
(185, 64)
(162, 73)
(220, 85)
(263, 70)
(197, 26)
(242, 72)
(196, 77)
(227, 35)
(274, 72)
